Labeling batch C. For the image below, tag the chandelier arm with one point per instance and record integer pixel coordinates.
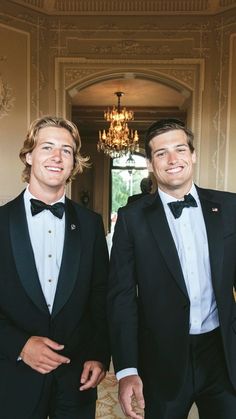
(119, 139)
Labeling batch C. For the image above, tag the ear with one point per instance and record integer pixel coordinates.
(28, 158)
(149, 166)
(194, 157)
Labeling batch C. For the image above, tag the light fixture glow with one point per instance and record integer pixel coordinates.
(119, 139)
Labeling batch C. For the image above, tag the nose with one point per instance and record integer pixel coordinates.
(56, 155)
(172, 157)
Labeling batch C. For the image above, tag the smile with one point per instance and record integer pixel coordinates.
(54, 169)
(175, 170)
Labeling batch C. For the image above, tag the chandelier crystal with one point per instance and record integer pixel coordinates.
(119, 139)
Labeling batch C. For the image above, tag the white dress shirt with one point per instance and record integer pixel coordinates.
(47, 239)
(189, 234)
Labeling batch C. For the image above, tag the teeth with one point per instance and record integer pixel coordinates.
(174, 170)
(54, 169)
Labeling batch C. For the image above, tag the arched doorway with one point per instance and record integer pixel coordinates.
(78, 77)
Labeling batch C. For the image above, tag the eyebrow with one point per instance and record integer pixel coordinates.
(166, 148)
(51, 143)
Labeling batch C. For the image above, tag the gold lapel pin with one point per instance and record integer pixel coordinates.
(214, 209)
(72, 226)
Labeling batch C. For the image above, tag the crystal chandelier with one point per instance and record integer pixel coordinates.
(119, 139)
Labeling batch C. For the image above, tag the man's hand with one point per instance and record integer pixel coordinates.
(131, 390)
(39, 353)
(92, 374)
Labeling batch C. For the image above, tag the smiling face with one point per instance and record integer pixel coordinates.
(51, 161)
(172, 162)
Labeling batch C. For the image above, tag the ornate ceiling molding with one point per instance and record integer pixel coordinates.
(127, 7)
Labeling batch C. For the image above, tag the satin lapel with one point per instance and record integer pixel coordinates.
(159, 225)
(70, 259)
(23, 254)
(214, 227)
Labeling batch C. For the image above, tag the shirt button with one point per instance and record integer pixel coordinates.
(49, 256)
(50, 280)
(49, 305)
(49, 231)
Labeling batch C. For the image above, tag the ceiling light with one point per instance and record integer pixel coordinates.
(119, 139)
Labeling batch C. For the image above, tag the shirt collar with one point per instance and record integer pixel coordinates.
(166, 198)
(28, 196)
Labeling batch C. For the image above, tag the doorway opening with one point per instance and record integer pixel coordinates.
(125, 181)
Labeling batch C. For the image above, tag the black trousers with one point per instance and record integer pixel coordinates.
(62, 399)
(206, 383)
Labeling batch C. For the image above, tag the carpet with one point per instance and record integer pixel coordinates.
(108, 405)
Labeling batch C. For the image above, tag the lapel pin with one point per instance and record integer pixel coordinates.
(214, 209)
(72, 226)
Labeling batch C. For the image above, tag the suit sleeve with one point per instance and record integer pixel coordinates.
(12, 339)
(122, 298)
(100, 348)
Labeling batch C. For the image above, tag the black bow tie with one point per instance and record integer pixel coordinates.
(178, 206)
(56, 209)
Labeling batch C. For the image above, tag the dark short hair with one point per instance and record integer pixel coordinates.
(165, 125)
(146, 185)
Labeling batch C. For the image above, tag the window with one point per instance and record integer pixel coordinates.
(125, 181)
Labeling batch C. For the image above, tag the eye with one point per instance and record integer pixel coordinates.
(47, 147)
(67, 151)
(160, 154)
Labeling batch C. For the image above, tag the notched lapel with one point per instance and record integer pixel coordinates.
(159, 225)
(23, 254)
(70, 259)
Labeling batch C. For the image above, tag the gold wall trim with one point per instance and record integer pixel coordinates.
(132, 7)
(230, 121)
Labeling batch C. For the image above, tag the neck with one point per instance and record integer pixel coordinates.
(177, 193)
(47, 196)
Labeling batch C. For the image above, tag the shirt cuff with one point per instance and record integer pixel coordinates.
(126, 372)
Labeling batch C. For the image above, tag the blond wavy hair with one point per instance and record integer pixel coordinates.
(31, 140)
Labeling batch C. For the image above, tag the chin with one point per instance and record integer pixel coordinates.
(55, 184)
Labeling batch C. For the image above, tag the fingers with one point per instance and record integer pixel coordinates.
(131, 396)
(39, 353)
(52, 344)
(92, 374)
(53, 358)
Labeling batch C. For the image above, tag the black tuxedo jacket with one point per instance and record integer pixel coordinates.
(133, 198)
(78, 318)
(148, 304)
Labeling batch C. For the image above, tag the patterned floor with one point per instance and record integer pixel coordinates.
(108, 406)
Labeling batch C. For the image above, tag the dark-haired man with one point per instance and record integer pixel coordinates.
(146, 188)
(53, 332)
(171, 307)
